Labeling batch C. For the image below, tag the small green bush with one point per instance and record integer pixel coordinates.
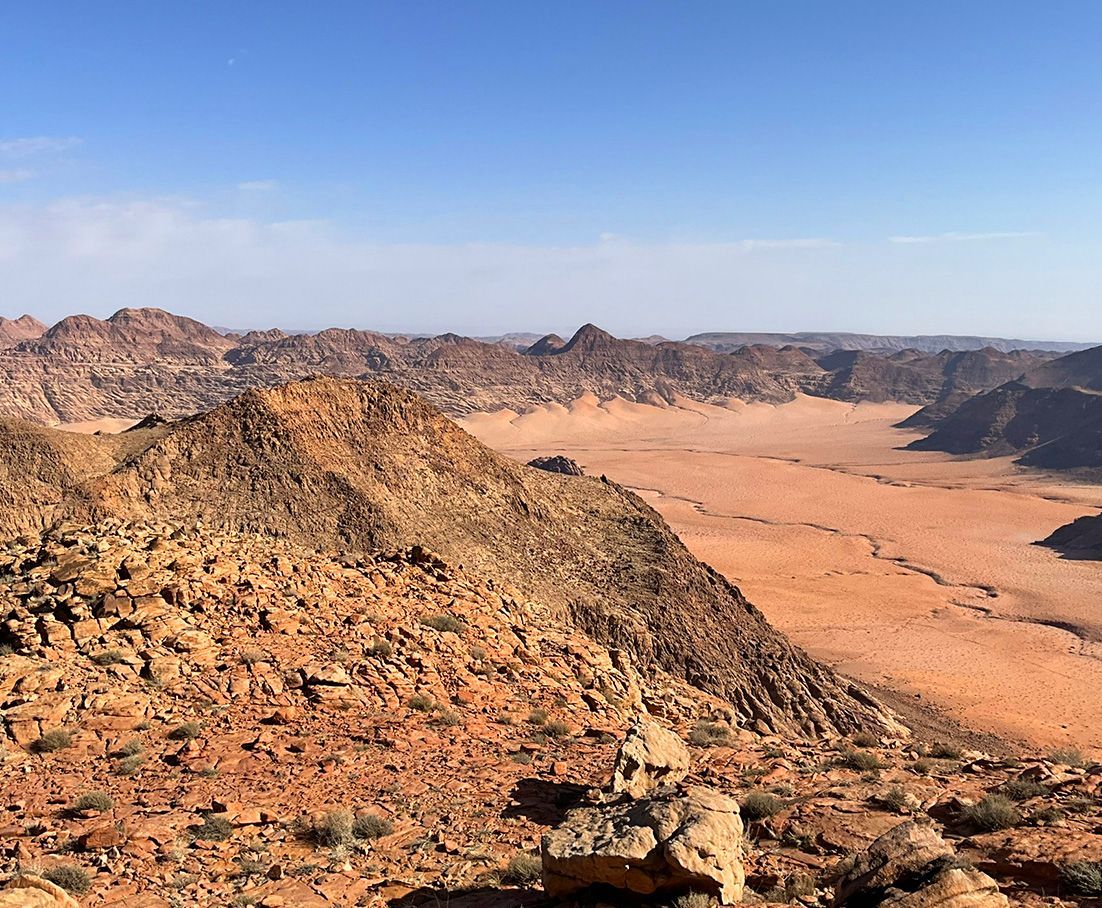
(252, 655)
(709, 734)
(213, 829)
(943, 750)
(922, 767)
(108, 657)
(447, 717)
(523, 870)
(1022, 789)
(99, 801)
(129, 765)
(864, 739)
(131, 747)
(760, 805)
(861, 760)
(1084, 877)
(70, 877)
(334, 828)
(187, 731)
(371, 826)
(522, 757)
(694, 900)
(894, 798)
(992, 813)
(556, 729)
(537, 717)
(421, 703)
(50, 741)
(447, 624)
(1068, 756)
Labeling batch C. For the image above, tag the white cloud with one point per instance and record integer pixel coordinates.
(36, 145)
(964, 237)
(97, 255)
(15, 176)
(257, 185)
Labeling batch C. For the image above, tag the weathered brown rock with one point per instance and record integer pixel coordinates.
(675, 840)
(650, 756)
(27, 891)
(911, 866)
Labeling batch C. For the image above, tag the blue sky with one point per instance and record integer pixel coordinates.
(654, 167)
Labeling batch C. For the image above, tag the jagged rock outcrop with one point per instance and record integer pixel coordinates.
(557, 463)
(649, 757)
(911, 866)
(674, 840)
(364, 466)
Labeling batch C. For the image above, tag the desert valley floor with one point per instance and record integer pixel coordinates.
(911, 571)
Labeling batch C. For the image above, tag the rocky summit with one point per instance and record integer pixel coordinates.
(364, 465)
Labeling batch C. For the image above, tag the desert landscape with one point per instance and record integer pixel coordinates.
(515, 455)
(914, 572)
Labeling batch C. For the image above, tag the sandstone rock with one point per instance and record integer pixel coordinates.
(675, 840)
(35, 892)
(650, 756)
(911, 866)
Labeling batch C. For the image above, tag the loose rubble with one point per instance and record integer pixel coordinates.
(243, 720)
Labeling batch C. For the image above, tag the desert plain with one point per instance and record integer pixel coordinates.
(914, 572)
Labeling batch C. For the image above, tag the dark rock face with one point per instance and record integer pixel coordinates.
(1051, 414)
(557, 463)
(1081, 538)
(1057, 428)
(365, 466)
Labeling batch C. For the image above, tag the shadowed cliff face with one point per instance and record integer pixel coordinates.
(363, 466)
(1081, 538)
(1052, 414)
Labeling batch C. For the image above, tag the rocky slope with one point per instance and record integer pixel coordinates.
(914, 377)
(196, 717)
(363, 466)
(146, 360)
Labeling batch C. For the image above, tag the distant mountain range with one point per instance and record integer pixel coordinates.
(825, 341)
(140, 361)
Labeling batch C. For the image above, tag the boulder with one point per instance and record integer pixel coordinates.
(678, 839)
(34, 892)
(911, 866)
(557, 464)
(649, 757)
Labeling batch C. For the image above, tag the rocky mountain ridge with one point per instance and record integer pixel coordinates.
(364, 465)
(1051, 416)
(140, 361)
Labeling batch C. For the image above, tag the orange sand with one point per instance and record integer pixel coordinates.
(914, 571)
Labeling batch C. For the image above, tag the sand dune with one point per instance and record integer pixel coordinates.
(912, 570)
